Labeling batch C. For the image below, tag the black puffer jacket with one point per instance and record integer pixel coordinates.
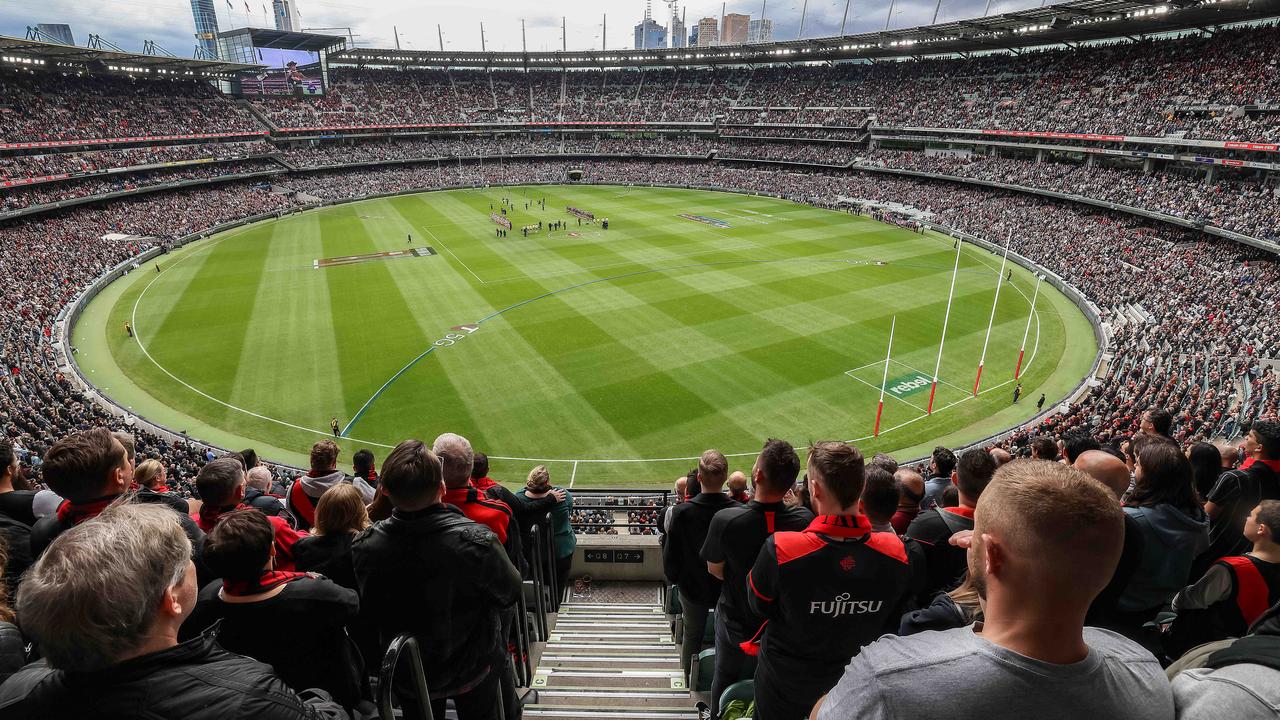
(13, 650)
(196, 680)
(444, 578)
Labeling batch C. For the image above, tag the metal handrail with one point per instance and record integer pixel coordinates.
(535, 537)
(553, 586)
(386, 676)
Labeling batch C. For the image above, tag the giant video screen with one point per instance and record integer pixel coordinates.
(288, 72)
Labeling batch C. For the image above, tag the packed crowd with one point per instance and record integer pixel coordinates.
(491, 146)
(819, 154)
(28, 196)
(593, 522)
(90, 550)
(1057, 582)
(1147, 88)
(43, 107)
(43, 163)
(1237, 203)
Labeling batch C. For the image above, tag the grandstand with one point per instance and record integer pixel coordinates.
(1127, 153)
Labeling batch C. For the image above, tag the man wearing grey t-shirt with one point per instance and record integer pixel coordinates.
(1046, 541)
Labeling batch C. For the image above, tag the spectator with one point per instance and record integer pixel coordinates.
(1234, 592)
(340, 516)
(912, 493)
(934, 527)
(256, 606)
(538, 488)
(131, 572)
(1237, 492)
(1174, 528)
(1076, 443)
(734, 539)
(1000, 455)
(455, 453)
(257, 493)
(362, 464)
(1044, 448)
(1206, 464)
(528, 511)
(699, 589)
(1112, 473)
(826, 591)
(152, 486)
(324, 474)
(91, 470)
(428, 554)
(13, 650)
(1237, 678)
(1026, 563)
(941, 466)
(16, 495)
(738, 487)
(221, 484)
(1156, 421)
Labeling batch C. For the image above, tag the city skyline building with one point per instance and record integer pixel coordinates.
(286, 15)
(708, 32)
(760, 31)
(206, 29)
(650, 35)
(735, 29)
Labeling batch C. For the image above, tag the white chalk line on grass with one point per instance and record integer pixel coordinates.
(326, 433)
(437, 240)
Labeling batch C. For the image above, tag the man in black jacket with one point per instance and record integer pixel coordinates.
(429, 571)
(699, 589)
(104, 604)
(733, 542)
(933, 528)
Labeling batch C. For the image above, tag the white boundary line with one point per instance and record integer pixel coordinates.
(873, 387)
(437, 240)
(213, 242)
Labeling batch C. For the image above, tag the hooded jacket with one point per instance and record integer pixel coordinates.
(1171, 541)
(306, 491)
(1241, 680)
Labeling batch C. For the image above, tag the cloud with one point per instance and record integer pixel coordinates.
(128, 23)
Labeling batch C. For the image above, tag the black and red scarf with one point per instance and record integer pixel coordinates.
(304, 508)
(76, 513)
(209, 515)
(268, 580)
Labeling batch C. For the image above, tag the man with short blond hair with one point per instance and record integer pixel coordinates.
(686, 532)
(1046, 540)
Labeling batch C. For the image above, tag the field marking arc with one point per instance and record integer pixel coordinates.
(326, 433)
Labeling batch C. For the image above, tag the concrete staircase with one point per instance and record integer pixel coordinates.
(607, 661)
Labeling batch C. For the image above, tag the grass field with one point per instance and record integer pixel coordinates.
(614, 355)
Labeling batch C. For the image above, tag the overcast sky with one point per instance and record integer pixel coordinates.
(128, 23)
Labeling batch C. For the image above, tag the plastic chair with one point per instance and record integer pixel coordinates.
(704, 670)
(741, 690)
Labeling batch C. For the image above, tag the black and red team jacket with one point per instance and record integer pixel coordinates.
(825, 592)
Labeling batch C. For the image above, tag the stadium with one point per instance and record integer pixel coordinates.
(958, 341)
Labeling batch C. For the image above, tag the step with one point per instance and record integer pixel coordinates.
(600, 697)
(613, 624)
(610, 616)
(650, 662)
(654, 638)
(558, 677)
(617, 648)
(619, 712)
(575, 607)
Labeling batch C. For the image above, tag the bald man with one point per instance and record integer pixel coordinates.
(1001, 455)
(738, 486)
(911, 484)
(1114, 474)
(1032, 655)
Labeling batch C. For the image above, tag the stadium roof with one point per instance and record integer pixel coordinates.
(283, 40)
(1064, 23)
(47, 55)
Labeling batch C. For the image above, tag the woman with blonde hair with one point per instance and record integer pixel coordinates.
(340, 514)
(151, 479)
(539, 486)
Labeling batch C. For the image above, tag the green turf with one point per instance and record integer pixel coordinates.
(655, 339)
